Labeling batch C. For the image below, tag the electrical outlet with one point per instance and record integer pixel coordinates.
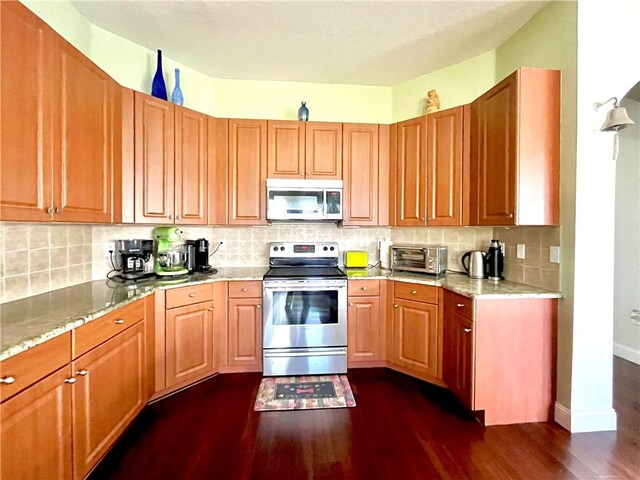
(635, 316)
(520, 251)
(109, 247)
(554, 254)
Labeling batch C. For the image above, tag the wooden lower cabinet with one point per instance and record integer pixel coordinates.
(37, 430)
(459, 356)
(189, 342)
(109, 391)
(363, 330)
(244, 333)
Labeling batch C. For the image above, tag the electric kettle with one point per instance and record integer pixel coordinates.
(475, 263)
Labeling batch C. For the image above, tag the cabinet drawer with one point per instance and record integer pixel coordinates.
(459, 304)
(179, 297)
(415, 292)
(251, 289)
(364, 288)
(94, 333)
(28, 367)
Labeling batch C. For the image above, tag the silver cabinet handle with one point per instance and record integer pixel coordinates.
(413, 292)
(467, 330)
(258, 306)
(460, 305)
(119, 321)
(350, 304)
(395, 305)
(82, 372)
(8, 380)
(192, 295)
(244, 289)
(70, 380)
(177, 217)
(51, 210)
(210, 309)
(59, 210)
(363, 288)
(511, 215)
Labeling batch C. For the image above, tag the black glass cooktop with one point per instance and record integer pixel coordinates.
(304, 272)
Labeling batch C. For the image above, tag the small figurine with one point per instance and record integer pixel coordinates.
(433, 101)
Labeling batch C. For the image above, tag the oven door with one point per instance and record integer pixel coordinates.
(304, 313)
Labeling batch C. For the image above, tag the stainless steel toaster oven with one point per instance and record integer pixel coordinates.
(430, 259)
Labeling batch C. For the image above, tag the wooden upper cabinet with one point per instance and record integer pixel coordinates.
(191, 163)
(57, 112)
(323, 150)
(84, 102)
(247, 171)
(515, 149)
(36, 430)
(218, 135)
(153, 160)
(411, 173)
(25, 119)
(360, 174)
(286, 149)
(444, 166)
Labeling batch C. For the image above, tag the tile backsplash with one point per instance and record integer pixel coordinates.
(37, 258)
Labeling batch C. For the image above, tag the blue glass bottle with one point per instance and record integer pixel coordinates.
(303, 112)
(158, 88)
(176, 95)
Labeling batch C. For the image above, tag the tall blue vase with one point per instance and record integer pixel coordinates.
(303, 112)
(176, 95)
(158, 88)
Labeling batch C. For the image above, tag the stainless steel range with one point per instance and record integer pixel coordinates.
(305, 310)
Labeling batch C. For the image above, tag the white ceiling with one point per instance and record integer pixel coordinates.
(382, 42)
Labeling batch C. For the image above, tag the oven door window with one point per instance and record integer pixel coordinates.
(305, 308)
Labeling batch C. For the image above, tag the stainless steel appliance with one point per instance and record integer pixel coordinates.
(305, 310)
(430, 259)
(317, 200)
(475, 264)
(133, 259)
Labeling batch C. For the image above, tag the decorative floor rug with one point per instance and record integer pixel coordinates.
(304, 393)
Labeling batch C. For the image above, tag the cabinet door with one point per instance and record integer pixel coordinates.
(411, 172)
(191, 167)
(444, 167)
(189, 342)
(360, 174)
(108, 396)
(494, 153)
(458, 362)
(247, 172)
(36, 430)
(285, 141)
(363, 329)
(244, 332)
(25, 115)
(84, 102)
(218, 170)
(415, 337)
(323, 150)
(153, 160)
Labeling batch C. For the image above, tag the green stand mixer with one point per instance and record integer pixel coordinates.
(171, 252)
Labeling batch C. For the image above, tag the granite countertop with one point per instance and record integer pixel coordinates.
(33, 320)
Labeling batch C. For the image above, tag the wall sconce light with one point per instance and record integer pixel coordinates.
(617, 119)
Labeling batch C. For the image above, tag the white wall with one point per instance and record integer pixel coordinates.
(626, 335)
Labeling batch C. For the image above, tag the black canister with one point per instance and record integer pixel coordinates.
(202, 254)
(495, 261)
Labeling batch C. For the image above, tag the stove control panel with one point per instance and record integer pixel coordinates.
(303, 250)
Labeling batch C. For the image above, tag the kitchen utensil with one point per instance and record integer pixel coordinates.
(475, 266)
(495, 261)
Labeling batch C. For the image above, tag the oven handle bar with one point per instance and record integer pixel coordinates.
(305, 354)
(298, 288)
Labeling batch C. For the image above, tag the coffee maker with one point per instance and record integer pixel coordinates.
(171, 252)
(198, 255)
(133, 259)
(494, 261)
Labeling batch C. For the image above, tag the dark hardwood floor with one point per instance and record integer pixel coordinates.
(401, 428)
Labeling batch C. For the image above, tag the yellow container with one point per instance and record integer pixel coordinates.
(356, 259)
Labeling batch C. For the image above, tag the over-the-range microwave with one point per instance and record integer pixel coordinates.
(316, 200)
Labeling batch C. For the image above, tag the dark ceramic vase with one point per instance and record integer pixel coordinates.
(303, 112)
(158, 87)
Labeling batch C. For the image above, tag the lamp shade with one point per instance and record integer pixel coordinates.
(617, 119)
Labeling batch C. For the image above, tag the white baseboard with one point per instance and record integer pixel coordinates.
(576, 421)
(627, 353)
